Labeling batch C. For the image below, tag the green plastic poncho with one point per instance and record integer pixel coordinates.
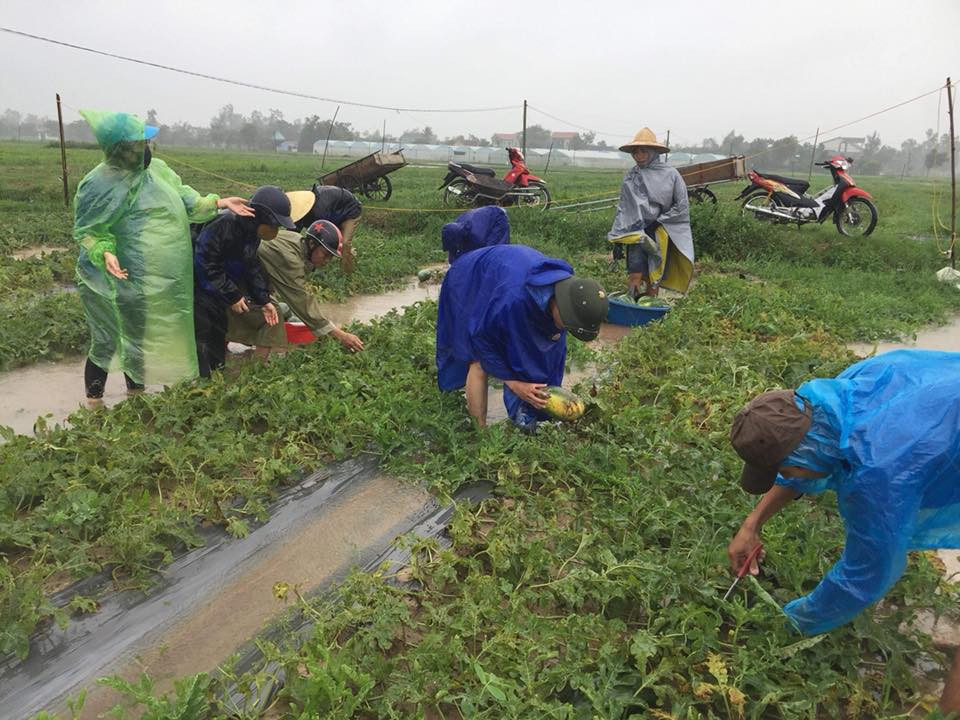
(142, 325)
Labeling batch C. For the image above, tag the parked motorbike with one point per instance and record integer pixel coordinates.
(784, 200)
(473, 186)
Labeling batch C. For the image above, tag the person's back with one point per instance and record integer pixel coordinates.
(225, 247)
(332, 203)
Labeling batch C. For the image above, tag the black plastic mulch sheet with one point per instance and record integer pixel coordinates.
(63, 661)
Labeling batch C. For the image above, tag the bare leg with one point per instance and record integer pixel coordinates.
(476, 391)
(950, 700)
(348, 228)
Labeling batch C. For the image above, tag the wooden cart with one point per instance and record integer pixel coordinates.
(698, 176)
(368, 174)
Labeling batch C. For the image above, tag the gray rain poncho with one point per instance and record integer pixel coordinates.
(653, 194)
(142, 325)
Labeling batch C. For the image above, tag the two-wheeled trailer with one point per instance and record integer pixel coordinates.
(697, 177)
(368, 174)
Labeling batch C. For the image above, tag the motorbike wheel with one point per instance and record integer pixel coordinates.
(857, 219)
(379, 189)
(757, 202)
(538, 197)
(702, 195)
(458, 195)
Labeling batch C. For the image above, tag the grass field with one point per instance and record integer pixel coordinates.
(590, 585)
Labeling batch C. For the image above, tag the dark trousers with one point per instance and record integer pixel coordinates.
(95, 380)
(210, 328)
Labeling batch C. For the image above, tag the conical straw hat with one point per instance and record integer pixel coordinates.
(644, 138)
(301, 202)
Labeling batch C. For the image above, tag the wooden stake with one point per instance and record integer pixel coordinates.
(524, 129)
(953, 181)
(63, 155)
(329, 131)
(813, 154)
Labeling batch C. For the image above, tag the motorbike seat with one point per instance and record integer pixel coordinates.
(798, 186)
(477, 170)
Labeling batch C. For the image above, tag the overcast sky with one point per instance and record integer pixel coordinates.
(697, 68)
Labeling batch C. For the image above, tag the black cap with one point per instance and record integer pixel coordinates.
(273, 205)
(583, 304)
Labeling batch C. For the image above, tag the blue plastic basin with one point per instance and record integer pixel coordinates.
(624, 312)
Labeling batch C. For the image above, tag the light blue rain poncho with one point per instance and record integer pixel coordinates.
(886, 431)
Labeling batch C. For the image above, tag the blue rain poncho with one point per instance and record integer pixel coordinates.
(479, 228)
(142, 325)
(493, 309)
(885, 433)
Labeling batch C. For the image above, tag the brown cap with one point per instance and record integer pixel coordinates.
(764, 432)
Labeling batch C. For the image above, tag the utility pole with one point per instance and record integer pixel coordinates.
(524, 128)
(63, 155)
(813, 154)
(953, 181)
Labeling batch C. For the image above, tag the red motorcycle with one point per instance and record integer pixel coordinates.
(473, 186)
(784, 200)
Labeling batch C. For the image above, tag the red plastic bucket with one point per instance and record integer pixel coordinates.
(298, 333)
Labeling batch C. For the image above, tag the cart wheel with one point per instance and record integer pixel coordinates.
(702, 195)
(379, 189)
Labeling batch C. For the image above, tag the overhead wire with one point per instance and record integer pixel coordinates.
(255, 86)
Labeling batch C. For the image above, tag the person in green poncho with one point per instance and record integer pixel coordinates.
(135, 267)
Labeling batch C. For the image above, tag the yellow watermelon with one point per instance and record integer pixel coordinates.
(563, 404)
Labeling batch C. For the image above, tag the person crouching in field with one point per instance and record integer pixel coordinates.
(287, 260)
(505, 311)
(329, 202)
(653, 218)
(882, 435)
(229, 274)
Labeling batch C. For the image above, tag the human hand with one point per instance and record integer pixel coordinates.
(270, 314)
(530, 393)
(740, 548)
(349, 341)
(634, 283)
(237, 205)
(113, 266)
(240, 306)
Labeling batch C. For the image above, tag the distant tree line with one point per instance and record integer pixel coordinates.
(268, 131)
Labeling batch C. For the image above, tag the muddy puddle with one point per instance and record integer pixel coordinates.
(50, 389)
(211, 600)
(364, 308)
